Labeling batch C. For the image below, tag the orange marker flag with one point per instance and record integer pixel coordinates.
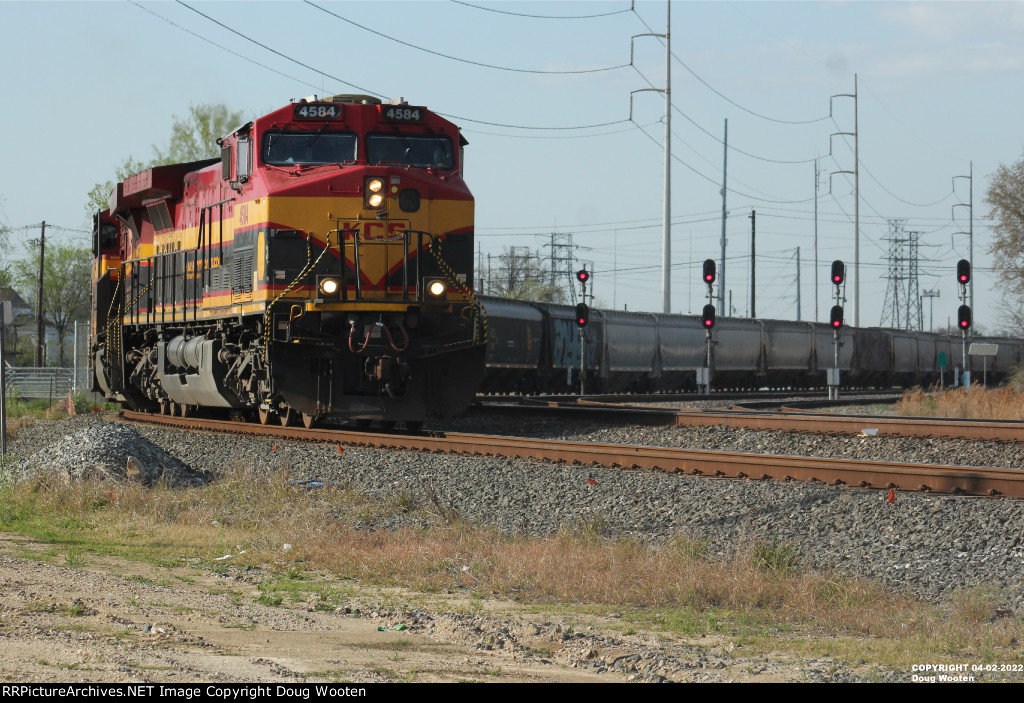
(274, 448)
(340, 450)
(591, 481)
(892, 496)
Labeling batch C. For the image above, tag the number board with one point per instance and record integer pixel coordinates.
(316, 111)
(403, 113)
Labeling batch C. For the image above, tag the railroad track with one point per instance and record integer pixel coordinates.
(976, 481)
(795, 419)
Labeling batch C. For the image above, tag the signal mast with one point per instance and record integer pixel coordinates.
(836, 320)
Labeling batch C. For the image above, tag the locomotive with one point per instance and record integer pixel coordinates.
(535, 347)
(321, 267)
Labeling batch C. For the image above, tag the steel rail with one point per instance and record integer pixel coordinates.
(787, 419)
(977, 481)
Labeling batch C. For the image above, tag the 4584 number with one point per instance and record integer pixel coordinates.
(317, 112)
(403, 114)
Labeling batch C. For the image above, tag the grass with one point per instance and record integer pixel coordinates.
(22, 412)
(978, 402)
(761, 596)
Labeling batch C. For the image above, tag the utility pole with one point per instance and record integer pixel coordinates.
(856, 195)
(666, 227)
(40, 327)
(816, 317)
(970, 228)
(666, 242)
(798, 316)
(856, 208)
(753, 262)
(931, 295)
(725, 166)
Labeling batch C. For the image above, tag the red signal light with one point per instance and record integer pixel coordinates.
(838, 272)
(964, 316)
(583, 275)
(708, 316)
(963, 271)
(836, 316)
(582, 314)
(709, 270)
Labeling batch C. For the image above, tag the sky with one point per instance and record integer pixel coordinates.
(558, 141)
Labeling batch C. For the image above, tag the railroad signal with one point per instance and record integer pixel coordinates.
(963, 316)
(963, 271)
(583, 276)
(838, 272)
(709, 271)
(708, 316)
(837, 316)
(582, 314)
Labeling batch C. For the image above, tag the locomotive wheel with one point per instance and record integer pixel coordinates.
(308, 420)
(362, 423)
(264, 415)
(286, 415)
(413, 425)
(387, 425)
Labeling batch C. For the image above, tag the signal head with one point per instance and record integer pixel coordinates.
(709, 270)
(963, 316)
(708, 316)
(836, 317)
(583, 275)
(582, 314)
(838, 272)
(963, 271)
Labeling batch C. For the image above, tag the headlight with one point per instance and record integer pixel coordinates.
(374, 192)
(435, 288)
(328, 286)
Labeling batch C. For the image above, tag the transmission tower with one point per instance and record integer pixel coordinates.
(562, 259)
(895, 296)
(902, 308)
(914, 316)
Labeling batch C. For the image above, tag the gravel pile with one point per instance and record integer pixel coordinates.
(109, 451)
(930, 545)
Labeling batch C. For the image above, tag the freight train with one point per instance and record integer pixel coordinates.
(535, 348)
(322, 266)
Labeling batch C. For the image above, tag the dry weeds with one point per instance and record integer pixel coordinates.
(978, 402)
(761, 589)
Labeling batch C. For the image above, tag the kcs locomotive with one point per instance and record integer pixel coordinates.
(321, 267)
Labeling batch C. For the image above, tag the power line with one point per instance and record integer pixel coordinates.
(221, 46)
(554, 136)
(278, 53)
(456, 58)
(542, 17)
(721, 95)
(371, 92)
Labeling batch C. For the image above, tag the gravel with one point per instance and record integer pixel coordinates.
(928, 545)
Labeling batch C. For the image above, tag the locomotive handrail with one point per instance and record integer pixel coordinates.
(358, 241)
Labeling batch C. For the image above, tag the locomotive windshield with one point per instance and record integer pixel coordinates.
(424, 151)
(285, 148)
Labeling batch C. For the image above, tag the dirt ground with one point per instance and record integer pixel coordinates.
(71, 617)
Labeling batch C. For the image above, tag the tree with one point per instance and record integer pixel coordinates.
(66, 285)
(520, 276)
(192, 138)
(1006, 197)
(195, 137)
